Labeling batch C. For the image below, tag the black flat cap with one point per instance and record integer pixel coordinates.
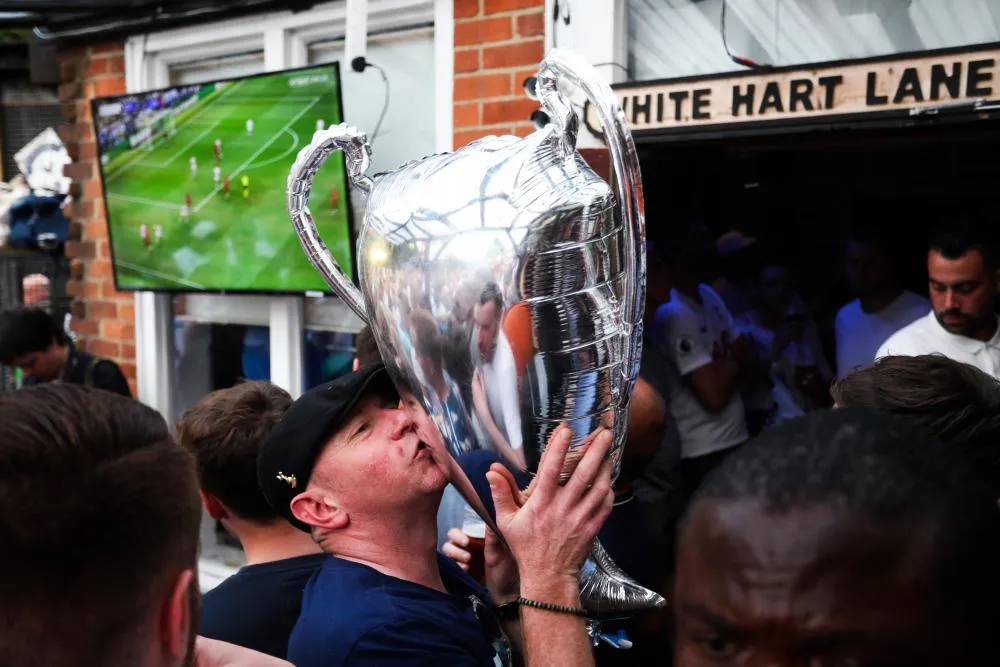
(286, 458)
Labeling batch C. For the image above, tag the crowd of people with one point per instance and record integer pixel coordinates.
(794, 506)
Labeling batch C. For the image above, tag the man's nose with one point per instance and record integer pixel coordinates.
(952, 301)
(403, 423)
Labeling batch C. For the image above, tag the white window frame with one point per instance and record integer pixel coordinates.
(599, 35)
(284, 38)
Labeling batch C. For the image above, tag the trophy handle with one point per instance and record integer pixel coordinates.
(563, 65)
(357, 152)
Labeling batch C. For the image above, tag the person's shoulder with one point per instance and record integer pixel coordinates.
(262, 583)
(418, 641)
(105, 367)
(340, 606)
(383, 628)
(232, 612)
(920, 327)
(322, 640)
(287, 571)
(106, 374)
(344, 574)
(428, 630)
(220, 595)
(908, 341)
(849, 311)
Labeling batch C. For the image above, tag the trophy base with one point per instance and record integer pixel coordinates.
(606, 591)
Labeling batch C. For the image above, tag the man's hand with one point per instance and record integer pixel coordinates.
(501, 569)
(457, 548)
(552, 530)
(212, 653)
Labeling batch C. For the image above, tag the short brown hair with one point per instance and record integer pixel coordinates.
(225, 431)
(956, 402)
(365, 348)
(99, 513)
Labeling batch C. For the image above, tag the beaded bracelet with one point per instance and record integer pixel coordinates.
(575, 611)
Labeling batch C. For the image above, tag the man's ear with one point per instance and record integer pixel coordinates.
(314, 507)
(178, 616)
(213, 505)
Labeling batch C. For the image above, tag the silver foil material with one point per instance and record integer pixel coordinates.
(505, 289)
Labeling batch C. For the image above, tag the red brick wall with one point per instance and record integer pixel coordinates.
(103, 317)
(498, 44)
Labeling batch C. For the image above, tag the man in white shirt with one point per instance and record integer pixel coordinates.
(494, 384)
(964, 278)
(881, 309)
(707, 358)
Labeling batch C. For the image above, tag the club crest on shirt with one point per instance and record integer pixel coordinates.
(684, 345)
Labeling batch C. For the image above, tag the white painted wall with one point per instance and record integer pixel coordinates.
(409, 128)
(596, 30)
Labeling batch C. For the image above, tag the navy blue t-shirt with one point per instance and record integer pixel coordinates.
(354, 616)
(258, 606)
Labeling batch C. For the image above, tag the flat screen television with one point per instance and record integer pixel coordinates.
(195, 180)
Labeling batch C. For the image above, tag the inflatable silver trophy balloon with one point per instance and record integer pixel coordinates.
(505, 289)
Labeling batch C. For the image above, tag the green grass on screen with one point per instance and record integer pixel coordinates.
(229, 243)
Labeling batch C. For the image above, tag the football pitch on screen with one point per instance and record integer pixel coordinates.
(243, 239)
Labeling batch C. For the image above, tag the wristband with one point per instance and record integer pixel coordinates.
(508, 611)
(558, 608)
